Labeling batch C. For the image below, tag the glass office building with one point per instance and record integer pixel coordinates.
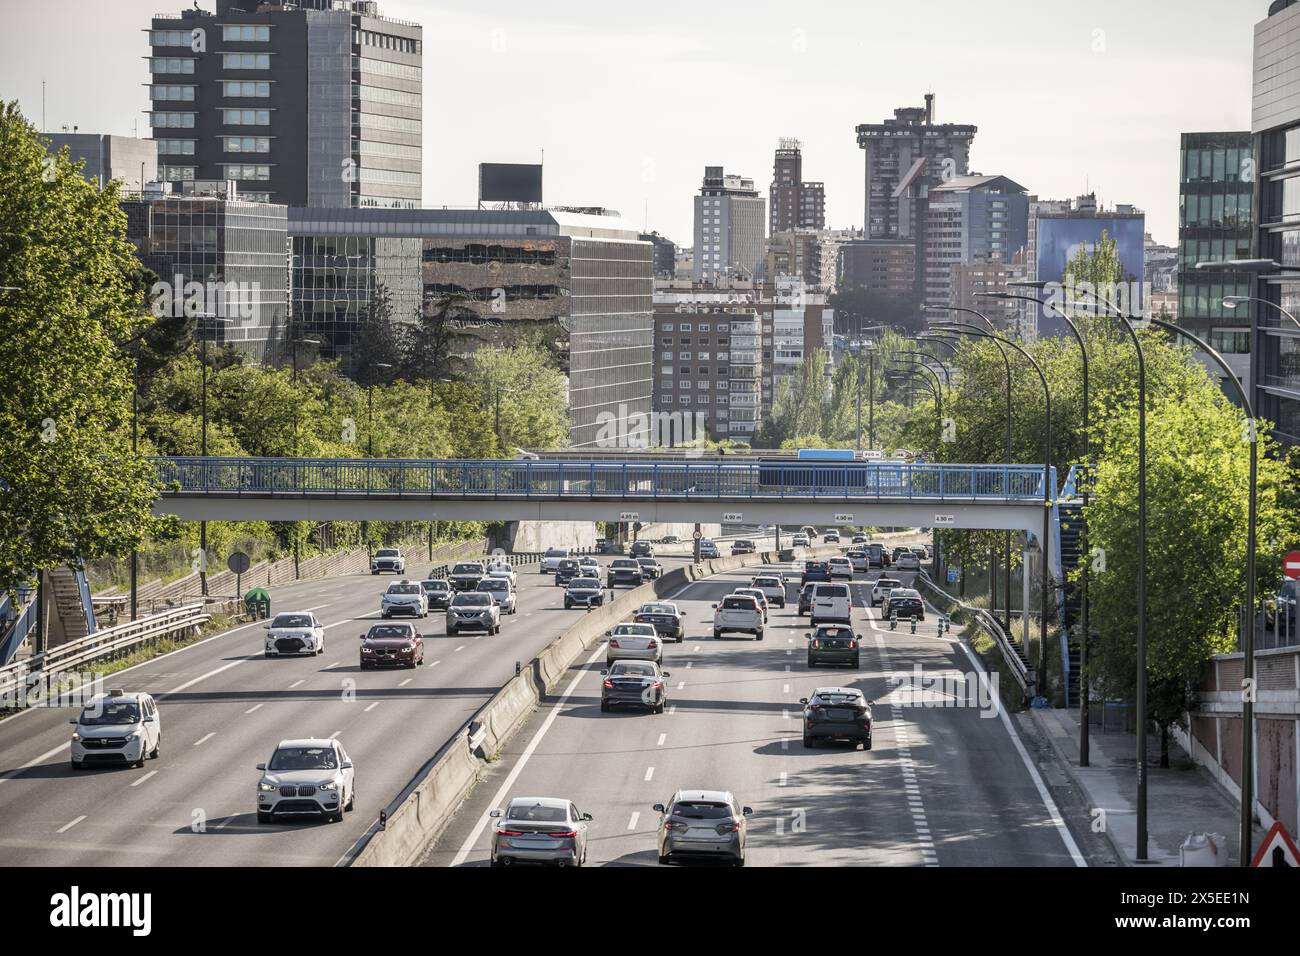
(1215, 192)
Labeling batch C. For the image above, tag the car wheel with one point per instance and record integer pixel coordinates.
(680, 638)
(856, 665)
(604, 706)
(77, 765)
(336, 816)
(866, 744)
(140, 762)
(365, 666)
(374, 573)
(266, 817)
(811, 662)
(659, 708)
(568, 605)
(717, 635)
(352, 800)
(451, 632)
(153, 754)
(663, 860)
(759, 635)
(413, 665)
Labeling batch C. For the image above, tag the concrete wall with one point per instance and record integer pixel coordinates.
(529, 536)
(656, 530)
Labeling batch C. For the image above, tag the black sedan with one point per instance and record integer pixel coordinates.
(438, 593)
(625, 571)
(639, 683)
(666, 618)
(805, 599)
(566, 571)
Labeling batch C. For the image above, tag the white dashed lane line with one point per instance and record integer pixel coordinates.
(649, 773)
(205, 737)
(255, 707)
(144, 778)
(371, 707)
(631, 823)
(68, 826)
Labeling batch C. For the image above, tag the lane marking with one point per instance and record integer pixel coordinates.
(681, 684)
(782, 778)
(662, 738)
(405, 682)
(459, 649)
(297, 683)
(631, 823)
(435, 663)
(255, 707)
(68, 826)
(468, 846)
(144, 778)
(205, 737)
(37, 761)
(649, 773)
(371, 707)
(334, 736)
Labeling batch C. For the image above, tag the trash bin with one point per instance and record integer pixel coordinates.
(1204, 849)
(257, 603)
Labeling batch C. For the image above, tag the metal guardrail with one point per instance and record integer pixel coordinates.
(38, 675)
(551, 479)
(16, 633)
(1024, 676)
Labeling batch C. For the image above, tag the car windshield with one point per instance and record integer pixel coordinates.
(632, 668)
(471, 599)
(303, 758)
(388, 630)
(557, 553)
(491, 584)
(739, 604)
(435, 585)
(536, 813)
(292, 620)
(403, 589)
(388, 553)
(745, 544)
(701, 810)
(467, 569)
(582, 584)
(752, 592)
(627, 563)
(110, 712)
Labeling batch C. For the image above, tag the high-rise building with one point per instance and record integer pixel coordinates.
(217, 256)
(971, 219)
(1215, 193)
(970, 279)
(665, 259)
(729, 227)
(829, 243)
(905, 156)
(312, 103)
(131, 161)
(796, 253)
(884, 267)
(1275, 128)
(795, 204)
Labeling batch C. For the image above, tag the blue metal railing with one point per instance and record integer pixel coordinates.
(591, 479)
(13, 634)
(87, 603)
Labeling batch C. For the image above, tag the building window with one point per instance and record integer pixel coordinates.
(704, 399)
(175, 147)
(248, 172)
(665, 356)
(171, 64)
(685, 327)
(246, 61)
(684, 356)
(246, 144)
(246, 88)
(246, 117)
(171, 38)
(246, 34)
(254, 197)
(684, 400)
(182, 93)
(174, 174)
(668, 327)
(172, 120)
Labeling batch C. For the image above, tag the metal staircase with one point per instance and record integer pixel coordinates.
(1070, 535)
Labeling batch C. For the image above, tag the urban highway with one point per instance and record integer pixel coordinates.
(224, 707)
(942, 786)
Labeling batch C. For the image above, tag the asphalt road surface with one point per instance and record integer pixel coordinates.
(224, 708)
(942, 785)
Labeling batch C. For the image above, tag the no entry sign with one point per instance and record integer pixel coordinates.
(1291, 565)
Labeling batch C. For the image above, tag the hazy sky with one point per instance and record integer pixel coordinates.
(630, 101)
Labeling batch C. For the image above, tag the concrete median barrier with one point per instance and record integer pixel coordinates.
(420, 813)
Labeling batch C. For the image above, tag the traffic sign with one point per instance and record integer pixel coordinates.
(629, 516)
(1277, 849)
(732, 517)
(944, 520)
(844, 519)
(697, 535)
(872, 455)
(1291, 565)
(237, 562)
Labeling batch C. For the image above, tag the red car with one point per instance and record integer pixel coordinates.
(391, 645)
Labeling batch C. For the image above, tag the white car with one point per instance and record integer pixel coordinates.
(116, 728)
(501, 592)
(552, 558)
(404, 597)
(799, 541)
(773, 588)
(860, 561)
(505, 572)
(831, 602)
(388, 559)
(589, 567)
(841, 568)
(880, 590)
(294, 632)
(634, 642)
(709, 550)
(831, 537)
(738, 612)
(758, 595)
(907, 562)
(307, 777)
(473, 610)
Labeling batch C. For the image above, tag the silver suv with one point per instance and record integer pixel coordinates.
(501, 592)
(473, 610)
(307, 777)
(116, 728)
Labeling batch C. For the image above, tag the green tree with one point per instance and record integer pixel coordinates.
(70, 489)
(533, 397)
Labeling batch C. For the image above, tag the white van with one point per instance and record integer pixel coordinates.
(831, 603)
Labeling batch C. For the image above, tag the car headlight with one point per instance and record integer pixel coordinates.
(267, 787)
(76, 736)
(332, 785)
(135, 735)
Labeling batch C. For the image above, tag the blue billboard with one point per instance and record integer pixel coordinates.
(1059, 241)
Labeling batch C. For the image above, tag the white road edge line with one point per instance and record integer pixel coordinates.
(68, 826)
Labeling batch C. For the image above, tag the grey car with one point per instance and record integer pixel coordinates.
(702, 823)
(639, 683)
(540, 830)
(501, 592)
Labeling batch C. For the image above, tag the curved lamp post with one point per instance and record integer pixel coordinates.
(1045, 540)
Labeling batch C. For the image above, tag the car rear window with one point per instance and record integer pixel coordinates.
(634, 630)
(699, 810)
(739, 603)
(534, 813)
(832, 590)
(632, 668)
(767, 583)
(833, 699)
(887, 583)
(494, 584)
